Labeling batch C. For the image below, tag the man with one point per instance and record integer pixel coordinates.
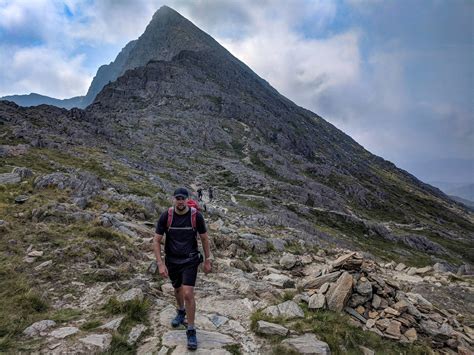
(182, 225)
(199, 191)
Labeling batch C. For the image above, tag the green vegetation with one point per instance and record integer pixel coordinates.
(135, 312)
(234, 349)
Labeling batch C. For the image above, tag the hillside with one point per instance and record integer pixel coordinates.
(81, 189)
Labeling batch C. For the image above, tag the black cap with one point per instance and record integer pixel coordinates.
(181, 192)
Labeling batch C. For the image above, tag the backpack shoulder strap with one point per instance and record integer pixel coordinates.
(170, 217)
(193, 217)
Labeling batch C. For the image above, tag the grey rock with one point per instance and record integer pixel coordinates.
(317, 301)
(113, 324)
(130, 295)
(9, 178)
(355, 314)
(364, 287)
(99, 342)
(135, 333)
(288, 309)
(288, 261)
(218, 320)
(64, 332)
(271, 328)
(253, 243)
(44, 265)
(319, 281)
(38, 327)
(279, 280)
(307, 344)
(21, 199)
(278, 244)
(24, 173)
(339, 293)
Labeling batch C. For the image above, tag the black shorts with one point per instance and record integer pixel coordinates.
(183, 274)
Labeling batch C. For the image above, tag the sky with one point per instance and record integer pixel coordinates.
(397, 76)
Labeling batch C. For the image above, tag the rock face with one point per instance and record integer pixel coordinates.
(340, 292)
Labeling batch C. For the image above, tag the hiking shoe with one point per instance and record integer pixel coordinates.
(192, 339)
(179, 319)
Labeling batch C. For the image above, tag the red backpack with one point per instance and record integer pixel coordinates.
(171, 213)
(194, 204)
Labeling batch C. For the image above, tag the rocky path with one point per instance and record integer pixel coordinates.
(376, 296)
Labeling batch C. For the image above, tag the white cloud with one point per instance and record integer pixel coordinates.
(42, 70)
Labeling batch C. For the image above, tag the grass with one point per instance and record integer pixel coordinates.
(135, 312)
(234, 349)
(90, 325)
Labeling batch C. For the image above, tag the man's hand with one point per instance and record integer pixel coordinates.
(163, 270)
(207, 266)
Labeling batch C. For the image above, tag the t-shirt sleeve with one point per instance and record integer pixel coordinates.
(161, 224)
(200, 224)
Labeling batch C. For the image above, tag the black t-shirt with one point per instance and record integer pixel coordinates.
(180, 238)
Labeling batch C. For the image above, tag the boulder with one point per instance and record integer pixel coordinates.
(288, 309)
(38, 327)
(64, 332)
(113, 324)
(288, 261)
(99, 342)
(316, 282)
(400, 267)
(271, 328)
(130, 295)
(339, 292)
(411, 335)
(364, 287)
(376, 300)
(23, 172)
(317, 301)
(135, 333)
(279, 280)
(393, 329)
(307, 344)
(9, 178)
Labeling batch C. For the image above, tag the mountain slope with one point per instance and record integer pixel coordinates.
(36, 99)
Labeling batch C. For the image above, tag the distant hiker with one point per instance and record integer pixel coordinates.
(211, 194)
(182, 225)
(199, 191)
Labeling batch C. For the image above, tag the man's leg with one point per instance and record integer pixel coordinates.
(175, 274)
(178, 293)
(189, 280)
(189, 303)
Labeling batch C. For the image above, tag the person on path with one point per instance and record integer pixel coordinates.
(199, 191)
(211, 193)
(182, 225)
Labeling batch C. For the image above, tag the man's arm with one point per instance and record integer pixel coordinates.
(205, 245)
(157, 250)
(207, 252)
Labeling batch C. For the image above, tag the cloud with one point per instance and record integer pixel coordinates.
(42, 70)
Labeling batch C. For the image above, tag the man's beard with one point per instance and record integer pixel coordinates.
(181, 208)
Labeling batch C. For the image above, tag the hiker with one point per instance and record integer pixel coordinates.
(211, 194)
(199, 191)
(182, 224)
